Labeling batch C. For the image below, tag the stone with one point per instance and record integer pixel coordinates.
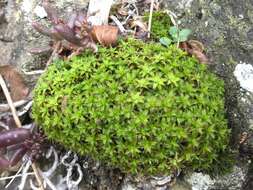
(200, 181)
(224, 27)
(244, 74)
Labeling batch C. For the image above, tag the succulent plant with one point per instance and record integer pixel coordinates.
(74, 34)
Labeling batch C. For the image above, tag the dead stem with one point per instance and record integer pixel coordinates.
(150, 17)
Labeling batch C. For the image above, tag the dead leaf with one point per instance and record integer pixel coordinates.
(14, 80)
(243, 137)
(122, 11)
(64, 103)
(143, 26)
(195, 48)
(105, 35)
(195, 44)
(201, 57)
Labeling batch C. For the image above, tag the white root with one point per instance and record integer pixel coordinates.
(6, 127)
(71, 183)
(118, 23)
(25, 109)
(46, 175)
(13, 178)
(55, 164)
(36, 72)
(24, 175)
(6, 107)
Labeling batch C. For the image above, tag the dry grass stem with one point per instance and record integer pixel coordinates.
(150, 17)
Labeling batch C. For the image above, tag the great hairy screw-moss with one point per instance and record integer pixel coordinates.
(139, 107)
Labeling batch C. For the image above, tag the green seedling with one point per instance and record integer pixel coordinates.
(175, 36)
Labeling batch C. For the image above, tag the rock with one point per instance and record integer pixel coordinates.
(244, 74)
(147, 183)
(200, 181)
(17, 35)
(224, 27)
(231, 181)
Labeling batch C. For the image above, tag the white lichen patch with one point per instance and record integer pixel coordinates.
(27, 6)
(244, 74)
(200, 181)
(185, 4)
(40, 12)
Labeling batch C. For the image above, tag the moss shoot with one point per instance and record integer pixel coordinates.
(161, 24)
(139, 107)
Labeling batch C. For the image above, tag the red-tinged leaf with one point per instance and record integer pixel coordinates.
(197, 45)
(41, 29)
(67, 33)
(202, 58)
(18, 156)
(45, 31)
(183, 46)
(18, 89)
(143, 26)
(106, 35)
(4, 163)
(195, 48)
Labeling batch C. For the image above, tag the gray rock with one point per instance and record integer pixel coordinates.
(231, 181)
(200, 181)
(225, 28)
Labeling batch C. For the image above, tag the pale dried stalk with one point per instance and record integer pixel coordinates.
(19, 125)
(102, 10)
(150, 17)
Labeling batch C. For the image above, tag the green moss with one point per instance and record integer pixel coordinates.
(138, 107)
(161, 24)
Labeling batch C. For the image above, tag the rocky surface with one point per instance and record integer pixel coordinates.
(225, 28)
